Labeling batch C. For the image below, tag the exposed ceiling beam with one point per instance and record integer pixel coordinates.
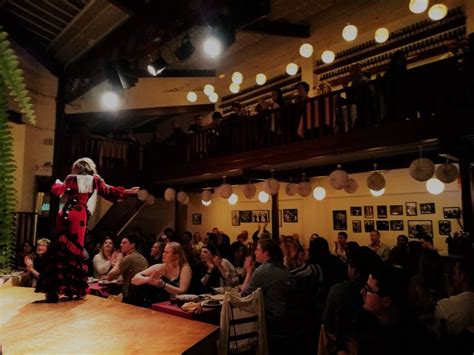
(277, 28)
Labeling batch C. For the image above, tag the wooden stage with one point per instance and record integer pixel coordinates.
(95, 325)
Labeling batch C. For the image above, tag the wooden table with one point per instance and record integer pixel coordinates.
(208, 315)
(95, 325)
(106, 290)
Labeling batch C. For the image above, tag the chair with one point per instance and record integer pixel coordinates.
(242, 325)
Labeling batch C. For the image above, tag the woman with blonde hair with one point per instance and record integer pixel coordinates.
(159, 281)
(65, 270)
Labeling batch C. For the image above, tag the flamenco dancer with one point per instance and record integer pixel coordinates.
(65, 271)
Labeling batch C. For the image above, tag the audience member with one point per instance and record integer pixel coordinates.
(26, 250)
(156, 253)
(197, 126)
(427, 242)
(103, 261)
(218, 271)
(340, 246)
(197, 242)
(376, 245)
(35, 264)
(238, 257)
(399, 254)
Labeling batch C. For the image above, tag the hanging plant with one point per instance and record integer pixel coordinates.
(12, 84)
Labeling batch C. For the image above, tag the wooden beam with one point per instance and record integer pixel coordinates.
(277, 28)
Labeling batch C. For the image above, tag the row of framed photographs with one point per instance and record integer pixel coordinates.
(288, 215)
(416, 228)
(411, 209)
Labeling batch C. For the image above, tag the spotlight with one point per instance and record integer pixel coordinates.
(118, 76)
(221, 38)
(185, 50)
(157, 66)
(110, 100)
(213, 47)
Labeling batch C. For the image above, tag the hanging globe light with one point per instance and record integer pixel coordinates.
(233, 199)
(192, 96)
(237, 77)
(434, 186)
(349, 33)
(206, 203)
(418, 6)
(291, 69)
(306, 50)
(234, 88)
(328, 56)
(261, 78)
(209, 89)
(381, 35)
(377, 193)
(438, 12)
(213, 97)
(263, 196)
(319, 193)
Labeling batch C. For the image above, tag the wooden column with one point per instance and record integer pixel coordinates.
(467, 195)
(275, 218)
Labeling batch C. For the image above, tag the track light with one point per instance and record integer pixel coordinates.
(118, 76)
(157, 66)
(185, 50)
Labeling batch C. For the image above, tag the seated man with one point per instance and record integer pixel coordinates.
(131, 264)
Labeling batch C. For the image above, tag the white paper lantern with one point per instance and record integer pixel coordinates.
(319, 193)
(181, 196)
(381, 35)
(249, 191)
(206, 195)
(150, 199)
(271, 186)
(191, 96)
(206, 203)
(375, 181)
(447, 173)
(142, 195)
(434, 186)
(291, 189)
(237, 77)
(260, 78)
(233, 199)
(349, 33)
(422, 169)
(338, 179)
(292, 68)
(170, 194)
(225, 190)
(304, 189)
(438, 12)
(208, 89)
(263, 197)
(328, 56)
(418, 6)
(377, 193)
(306, 50)
(352, 186)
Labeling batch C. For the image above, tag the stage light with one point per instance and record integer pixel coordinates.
(291, 69)
(418, 6)
(381, 35)
(349, 33)
(110, 100)
(213, 47)
(157, 66)
(438, 12)
(328, 56)
(185, 50)
(319, 193)
(191, 96)
(118, 75)
(260, 78)
(209, 89)
(306, 50)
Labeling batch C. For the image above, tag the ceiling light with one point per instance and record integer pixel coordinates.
(438, 12)
(349, 33)
(185, 50)
(157, 66)
(381, 35)
(214, 97)
(434, 186)
(263, 196)
(206, 203)
(260, 79)
(292, 69)
(377, 193)
(237, 77)
(209, 89)
(110, 100)
(234, 88)
(328, 56)
(213, 47)
(222, 36)
(306, 50)
(418, 6)
(191, 96)
(233, 199)
(319, 193)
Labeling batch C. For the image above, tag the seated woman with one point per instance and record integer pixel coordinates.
(239, 253)
(218, 271)
(35, 264)
(105, 259)
(159, 281)
(156, 253)
(26, 250)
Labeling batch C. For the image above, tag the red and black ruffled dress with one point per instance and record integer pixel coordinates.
(65, 270)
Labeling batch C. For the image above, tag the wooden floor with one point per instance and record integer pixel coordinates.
(95, 325)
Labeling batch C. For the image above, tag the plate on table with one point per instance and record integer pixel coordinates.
(217, 297)
(187, 298)
(107, 282)
(211, 304)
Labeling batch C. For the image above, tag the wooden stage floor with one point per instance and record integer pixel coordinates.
(95, 326)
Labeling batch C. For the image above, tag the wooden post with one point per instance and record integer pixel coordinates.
(467, 195)
(275, 218)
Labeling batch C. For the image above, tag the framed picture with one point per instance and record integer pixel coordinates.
(444, 227)
(397, 225)
(261, 216)
(368, 226)
(383, 225)
(356, 211)
(381, 211)
(427, 208)
(196, 218)
(339, 220)
(451, 212)
(418, 228)
(245, 216)
(396, 210)
(280, 218)
(290, 215)
(368, 211)
(235, 218)
(357, 226)
(411, 208)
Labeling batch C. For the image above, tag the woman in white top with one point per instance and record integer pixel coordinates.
(106, 259)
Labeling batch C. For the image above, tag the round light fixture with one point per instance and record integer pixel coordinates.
(319, 193)
(234, 88)
(377, 193)
(328, 56)
(438, 12)
(110, 100)
(381, 35)
(206, 203)
(263, 196)
(191, 96)
(209, 89)
(213, 97)
(306, 50)
(261, 78)
(349, 33)
(237, 77)
(418, 6)
(434, 186)
(213, 47)
(291, 69)
(233, 199)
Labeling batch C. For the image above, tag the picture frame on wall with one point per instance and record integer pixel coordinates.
(381, 211)
(290, 215)
(357, 226)
(261, 216)
(235, 218)
(245, 216)
(196, 218)
(397, 225)
(418, 228)
(356, 211)
(280, 218)
(368, 211)
(369, 225)
(339, 220)
(411, 208)
(383, 225)
(444, 227)
(396, 210)
(427, 208)
(451, 212)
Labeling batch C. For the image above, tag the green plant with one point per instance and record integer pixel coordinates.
(12, 84)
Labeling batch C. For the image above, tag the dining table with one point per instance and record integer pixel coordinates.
(210, 315)
(105, 289)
